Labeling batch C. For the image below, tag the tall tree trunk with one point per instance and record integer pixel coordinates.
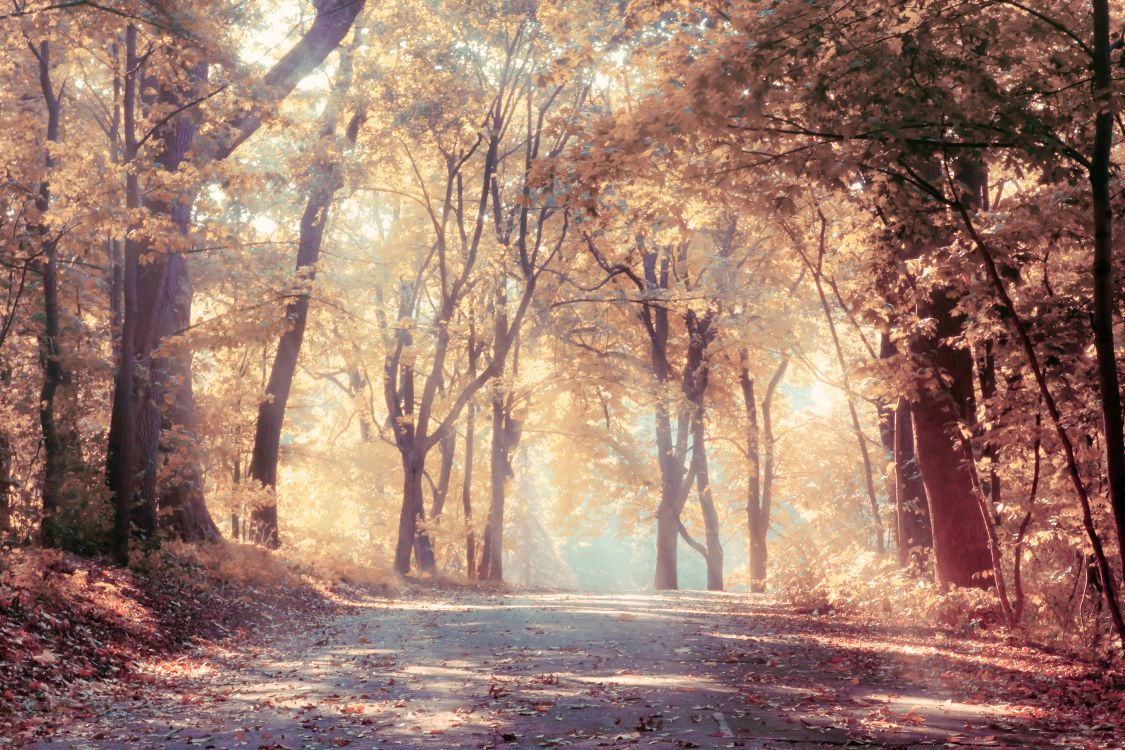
(761, 473)
(148, 391)
(181, 495)
(754, 523)
(911, 512)
(332, 21)
(961, 548)
(121, 444)
(714, 556)
(857, 428)
(271, 411)
(54, 375)
(1113, 423)
(500, 471)
(467, 481)
(668, 512)
(669, 455)
(694, 386)
(467, 491)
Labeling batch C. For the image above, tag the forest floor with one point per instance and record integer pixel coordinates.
(462, 668)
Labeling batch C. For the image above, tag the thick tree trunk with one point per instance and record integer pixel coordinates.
(911, 512)
(961, 548)
(410, 540)
(153, 298)
(181, 495)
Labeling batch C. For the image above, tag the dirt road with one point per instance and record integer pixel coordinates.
(677, 670)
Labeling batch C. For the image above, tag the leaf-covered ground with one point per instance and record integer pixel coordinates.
(71, 626)
(458, 668)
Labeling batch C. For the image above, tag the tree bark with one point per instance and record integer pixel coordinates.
(448, 446)
(670, 453)
(754, 522)
(1113, 422)
(54, 375)
(467, 493)
(961, 548)
(181, 495)
(121, 446)
(761, 470)
(911, 512)
(492, 567)
(695, 379)
(271, 411)
(332, 21)
(714, 546)
(5, 484)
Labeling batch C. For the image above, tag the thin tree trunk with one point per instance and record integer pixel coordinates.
(54, 458)
(911, 512)
(467, 492)
(271, 411)
(448, 445)
(1029, 508)
(754, 521)
(500, 460)
(714, 550)
(857, 428)
(986, 377)
(121, 447)
(769, 461)
(1014, 320)
(667, 513)
(467, 483)
(1113, 423)
(5, 484)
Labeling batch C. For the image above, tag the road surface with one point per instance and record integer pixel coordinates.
(472, 670)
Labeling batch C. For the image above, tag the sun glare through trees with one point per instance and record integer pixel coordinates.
(530, 373)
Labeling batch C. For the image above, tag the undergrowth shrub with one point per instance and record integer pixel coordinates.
(813, 575)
